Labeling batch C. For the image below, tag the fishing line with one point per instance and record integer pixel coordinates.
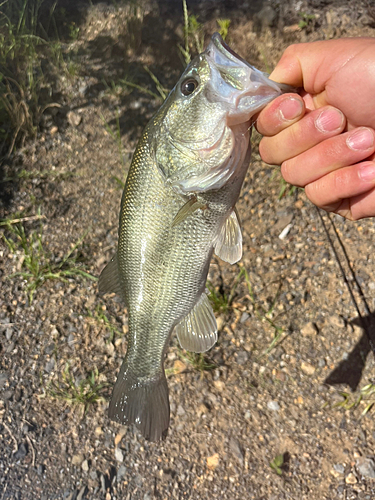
(365, 322)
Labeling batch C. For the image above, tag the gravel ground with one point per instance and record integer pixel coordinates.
(263, 415)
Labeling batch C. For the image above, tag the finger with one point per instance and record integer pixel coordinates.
(279, 114)
(312, 64)
(312, 129)
(344, 191)
(332, 154)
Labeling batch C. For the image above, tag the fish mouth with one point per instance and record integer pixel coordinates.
(243, 89)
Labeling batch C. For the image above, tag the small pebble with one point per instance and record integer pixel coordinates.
(77, 459)
(74, 119)
(273, 405)
(309, 329)
(119, 455)
(339, 468)
(85, 466)
(121, 472)
(351, 479)
(366, 467)
(307, 368)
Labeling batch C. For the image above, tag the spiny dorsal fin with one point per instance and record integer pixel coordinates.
(109, 279)
(190, 207)
(229, 242)
(197, 332)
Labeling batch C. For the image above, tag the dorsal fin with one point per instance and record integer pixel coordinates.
(197, 332)
(109, 279)
(229, 242)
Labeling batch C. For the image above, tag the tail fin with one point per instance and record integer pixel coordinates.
(144, 403)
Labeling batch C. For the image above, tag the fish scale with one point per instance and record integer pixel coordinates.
(177, 209)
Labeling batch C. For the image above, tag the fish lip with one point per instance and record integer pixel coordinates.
(224, 48)
(254, 91)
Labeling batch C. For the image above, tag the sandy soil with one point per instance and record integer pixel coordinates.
(262, 397)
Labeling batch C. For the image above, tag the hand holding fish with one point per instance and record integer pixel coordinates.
(325, 139)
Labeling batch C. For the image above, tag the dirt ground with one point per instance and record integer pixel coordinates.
(263, 415)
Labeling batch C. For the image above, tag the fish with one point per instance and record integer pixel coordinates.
(177, 209)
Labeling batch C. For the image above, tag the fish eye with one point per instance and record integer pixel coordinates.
(188, 86)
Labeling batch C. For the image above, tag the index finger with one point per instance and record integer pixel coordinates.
(280, 114)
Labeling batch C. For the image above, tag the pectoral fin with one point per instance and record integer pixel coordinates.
(197, 332)
(109, 279)
(229, 243)
(190, 207)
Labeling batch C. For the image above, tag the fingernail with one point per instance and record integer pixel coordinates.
(366, 172)
(360, 139)
(290, 108)
(329, 120)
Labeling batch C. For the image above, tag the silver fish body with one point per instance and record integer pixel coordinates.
(177, 209)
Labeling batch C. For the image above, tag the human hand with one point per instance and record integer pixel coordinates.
(325, 138)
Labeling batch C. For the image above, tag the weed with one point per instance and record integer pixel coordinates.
(221, 302)
(35, 264)
(193, 35)
(265, 314)
(25, 54)
(84, 393)
(223, 27)
(162, 92)
(198, 361)
(286, 189)
(306, 20)
(38, 174)
(116, 135)
(365, 396)
(102, 318)
(119, 182)
(277, 463)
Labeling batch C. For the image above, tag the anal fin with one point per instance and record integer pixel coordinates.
(197, 332)
(109, 279)
(229, 242)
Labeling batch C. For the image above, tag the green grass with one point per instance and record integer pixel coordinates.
(365, 397)
(220, 301)
(116, 135)
(265, 314)
(277, 463)
(286, 189)
(306, 20)
(24, 174)
(193, 42)
(36, 264)
(100, 317)
(83, 394)
(27, 59)
(198, 361)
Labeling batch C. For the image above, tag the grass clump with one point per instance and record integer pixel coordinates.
(35, 265)
(198, 361)
(100, 317)
(194, 34)
(277, 463)
(365, 397)
(83, 393)
(29, 61)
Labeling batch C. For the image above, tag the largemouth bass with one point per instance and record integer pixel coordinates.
(178, 207)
